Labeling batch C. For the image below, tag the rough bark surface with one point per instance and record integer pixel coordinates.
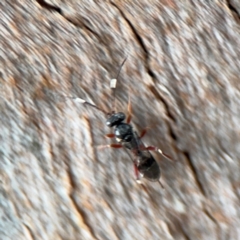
(182, 73)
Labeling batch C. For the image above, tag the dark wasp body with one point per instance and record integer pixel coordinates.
(128, 138)
(144, 163)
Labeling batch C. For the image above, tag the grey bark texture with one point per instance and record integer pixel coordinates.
(182, 75)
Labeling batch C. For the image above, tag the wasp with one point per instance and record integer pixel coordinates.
(126, 137)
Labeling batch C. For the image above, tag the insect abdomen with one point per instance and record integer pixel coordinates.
(149, 168)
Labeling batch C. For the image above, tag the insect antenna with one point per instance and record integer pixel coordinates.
(113, 85)
(80, 100)
(166, 155)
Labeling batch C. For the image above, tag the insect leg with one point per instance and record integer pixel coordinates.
(136, 173)
(129, 117)
(110, 135)
(144, 131)
(114, 145)
(153, 148)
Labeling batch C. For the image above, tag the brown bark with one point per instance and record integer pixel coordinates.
(182, 74)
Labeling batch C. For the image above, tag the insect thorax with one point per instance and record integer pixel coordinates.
(123, 132)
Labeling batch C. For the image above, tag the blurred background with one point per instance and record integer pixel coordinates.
(182, 74)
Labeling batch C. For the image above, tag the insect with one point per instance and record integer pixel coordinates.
(144, 163)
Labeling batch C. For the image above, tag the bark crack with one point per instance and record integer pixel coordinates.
(184, 233)
(209, 215)
(28, 229)
(195, 173)
(77, 21)
(49, 7)
(177, 226)
(233, 8)
(148, 69)
(159, 97)
(138, 38)
(80, 211)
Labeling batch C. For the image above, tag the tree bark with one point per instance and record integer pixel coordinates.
(182, 77)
